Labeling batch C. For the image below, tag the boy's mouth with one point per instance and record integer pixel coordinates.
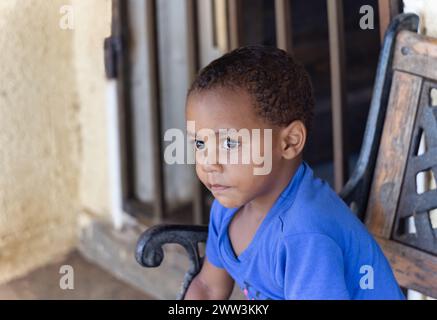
(217, 187)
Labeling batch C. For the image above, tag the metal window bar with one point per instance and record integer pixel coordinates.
(199, 209)
(387, 10)
(220, 24)
(158, 160)
(283, 25)
(338, 91)
(234, 23)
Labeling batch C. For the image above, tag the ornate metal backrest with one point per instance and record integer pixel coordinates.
(420, 206)
(403, 200)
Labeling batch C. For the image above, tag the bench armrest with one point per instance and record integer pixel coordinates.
(149, 252)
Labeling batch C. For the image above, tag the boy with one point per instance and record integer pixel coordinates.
(284, 234)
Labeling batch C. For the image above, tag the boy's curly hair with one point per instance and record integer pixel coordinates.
(280, 87)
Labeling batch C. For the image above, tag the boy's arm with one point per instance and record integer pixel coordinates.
(313, 268)
(211, 283)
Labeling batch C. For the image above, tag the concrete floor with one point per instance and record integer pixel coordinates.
(90, 282)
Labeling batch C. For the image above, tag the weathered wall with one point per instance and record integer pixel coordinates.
(39, 135)
(52, 128)
(92, 25)
(427, 10)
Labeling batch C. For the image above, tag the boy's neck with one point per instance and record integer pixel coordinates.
(259, 206)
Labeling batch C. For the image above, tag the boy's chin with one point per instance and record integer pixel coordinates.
(228, 203)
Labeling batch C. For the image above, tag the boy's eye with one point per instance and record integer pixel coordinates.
(200, 145)
(230, 144)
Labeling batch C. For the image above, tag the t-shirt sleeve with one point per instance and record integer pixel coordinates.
(313, 268)
(212, 248)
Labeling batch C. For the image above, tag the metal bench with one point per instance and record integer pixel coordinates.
(382, 188)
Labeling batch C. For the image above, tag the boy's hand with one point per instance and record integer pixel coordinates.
(211, 283)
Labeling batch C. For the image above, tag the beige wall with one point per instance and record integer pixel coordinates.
(427, 10)
(93, 20)
(52, 128)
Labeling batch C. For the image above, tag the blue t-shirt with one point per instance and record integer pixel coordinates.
(309, 246)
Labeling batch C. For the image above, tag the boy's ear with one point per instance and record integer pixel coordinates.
(293, 138)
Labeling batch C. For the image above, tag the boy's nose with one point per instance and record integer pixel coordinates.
(211, 164)
(208, 168)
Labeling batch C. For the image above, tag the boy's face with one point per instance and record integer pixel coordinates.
(233, 183)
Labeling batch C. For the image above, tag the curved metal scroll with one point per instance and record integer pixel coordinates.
(149, 252)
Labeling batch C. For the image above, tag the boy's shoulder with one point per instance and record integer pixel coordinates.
(317, 209)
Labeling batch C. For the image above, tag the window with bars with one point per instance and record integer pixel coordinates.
(163, 43)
